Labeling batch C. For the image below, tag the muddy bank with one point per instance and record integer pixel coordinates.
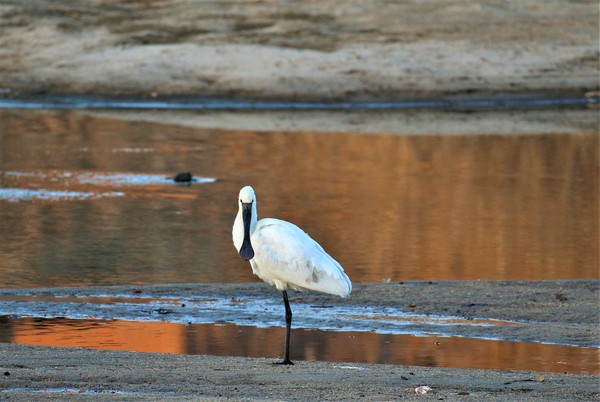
(311, 49)
(42, 373)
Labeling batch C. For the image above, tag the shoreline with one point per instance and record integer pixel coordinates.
(555, 312)
(468, 102)
(46, 373)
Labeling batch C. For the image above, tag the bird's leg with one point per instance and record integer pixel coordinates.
(288, 329)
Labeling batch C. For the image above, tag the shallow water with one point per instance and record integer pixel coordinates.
(84, 201)
(244, 311)
(90, 201)
(195, 103)
(355, 347)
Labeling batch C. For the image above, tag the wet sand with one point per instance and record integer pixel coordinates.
(560, 311)
(79, 374)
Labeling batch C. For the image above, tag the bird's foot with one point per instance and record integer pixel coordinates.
(285, 361)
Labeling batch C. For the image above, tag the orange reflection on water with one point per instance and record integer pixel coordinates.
(113, 335)
(386, 206)
(356, 347)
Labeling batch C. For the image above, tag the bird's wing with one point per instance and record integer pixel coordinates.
(286, 256)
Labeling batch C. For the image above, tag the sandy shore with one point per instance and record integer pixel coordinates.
(37, 373)
(311, 50)
(353, 50)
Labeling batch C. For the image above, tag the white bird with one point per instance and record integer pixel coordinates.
(283, 255)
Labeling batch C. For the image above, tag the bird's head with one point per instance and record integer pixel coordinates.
(247, 195)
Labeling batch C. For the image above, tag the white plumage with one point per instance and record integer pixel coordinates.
(283, 255)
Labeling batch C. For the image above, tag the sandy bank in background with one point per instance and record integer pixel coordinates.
(311, 49)
(422, 122)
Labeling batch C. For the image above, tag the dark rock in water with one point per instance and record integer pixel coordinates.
(183, 178)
